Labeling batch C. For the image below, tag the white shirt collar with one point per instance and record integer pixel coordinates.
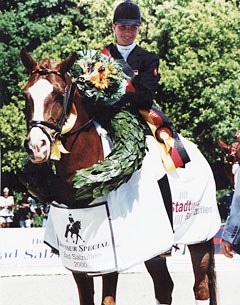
(125, 50)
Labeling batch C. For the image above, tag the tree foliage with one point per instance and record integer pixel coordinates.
(199, 47)
(13, 131)
(28, 24)
(197, 42)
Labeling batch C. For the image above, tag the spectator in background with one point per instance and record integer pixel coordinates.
(224, 206)
(24, 212)
(6, 209)
(45, 211)
(231, 231)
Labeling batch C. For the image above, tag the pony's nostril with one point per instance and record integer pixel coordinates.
(44, 143)
(26, 145)
(28, 149)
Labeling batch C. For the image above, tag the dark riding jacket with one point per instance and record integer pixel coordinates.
(142, 68)
(145, 80)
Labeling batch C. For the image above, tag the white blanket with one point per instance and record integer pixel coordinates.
(131, 227)
(195, 212)
(131, 224)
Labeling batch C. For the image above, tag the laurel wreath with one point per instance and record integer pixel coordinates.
(105, 176)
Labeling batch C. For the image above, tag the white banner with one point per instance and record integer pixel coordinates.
(22, 251)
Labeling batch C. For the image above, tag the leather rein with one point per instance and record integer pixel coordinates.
(67, 104)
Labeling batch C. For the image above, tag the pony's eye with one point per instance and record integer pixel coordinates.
(59, 98)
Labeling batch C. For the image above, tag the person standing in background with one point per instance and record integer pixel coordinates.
(231, 232)
(24, 212)
(6, 209)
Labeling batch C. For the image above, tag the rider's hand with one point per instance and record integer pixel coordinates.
(227, 249)
(128, 100)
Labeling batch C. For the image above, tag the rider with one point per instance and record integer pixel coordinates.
(231, 232)
(141, 66)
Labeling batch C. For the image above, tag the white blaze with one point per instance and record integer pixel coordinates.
(39, 91)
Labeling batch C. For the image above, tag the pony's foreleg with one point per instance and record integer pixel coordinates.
(202, 256)
(85, 288)
(163, 284)
(211, 273)
(109, 288)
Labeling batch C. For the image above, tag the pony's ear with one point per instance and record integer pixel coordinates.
(27, 61)
(223, 145)
(67, 64)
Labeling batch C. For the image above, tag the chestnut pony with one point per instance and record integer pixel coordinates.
(46, 110)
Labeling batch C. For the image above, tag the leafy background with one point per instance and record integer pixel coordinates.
(198, 43)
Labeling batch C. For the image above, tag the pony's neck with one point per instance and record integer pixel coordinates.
(85, 147)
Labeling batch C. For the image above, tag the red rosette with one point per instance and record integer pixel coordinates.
(163, 133)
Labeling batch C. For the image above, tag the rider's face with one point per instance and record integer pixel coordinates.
(125, 34)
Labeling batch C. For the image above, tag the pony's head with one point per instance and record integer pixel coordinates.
(232, 157)
(47, 103)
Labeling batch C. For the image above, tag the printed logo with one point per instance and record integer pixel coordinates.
(74, 228)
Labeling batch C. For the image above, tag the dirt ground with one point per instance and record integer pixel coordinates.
(134, 288)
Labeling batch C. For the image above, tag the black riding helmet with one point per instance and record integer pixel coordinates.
(127, 13)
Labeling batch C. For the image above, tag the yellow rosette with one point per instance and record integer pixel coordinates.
(57, 147)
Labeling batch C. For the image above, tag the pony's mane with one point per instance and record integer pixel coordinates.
(46, 64)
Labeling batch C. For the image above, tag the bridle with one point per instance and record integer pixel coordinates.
(67, 104)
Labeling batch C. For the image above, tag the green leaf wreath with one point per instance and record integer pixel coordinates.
(117, 168)
(101, 78)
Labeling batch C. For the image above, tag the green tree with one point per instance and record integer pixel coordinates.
(13, 131)
(197, 42)
(22, 24)
(199, 45)
(27, 24)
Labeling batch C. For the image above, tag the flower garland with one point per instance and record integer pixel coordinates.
(99, 77)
